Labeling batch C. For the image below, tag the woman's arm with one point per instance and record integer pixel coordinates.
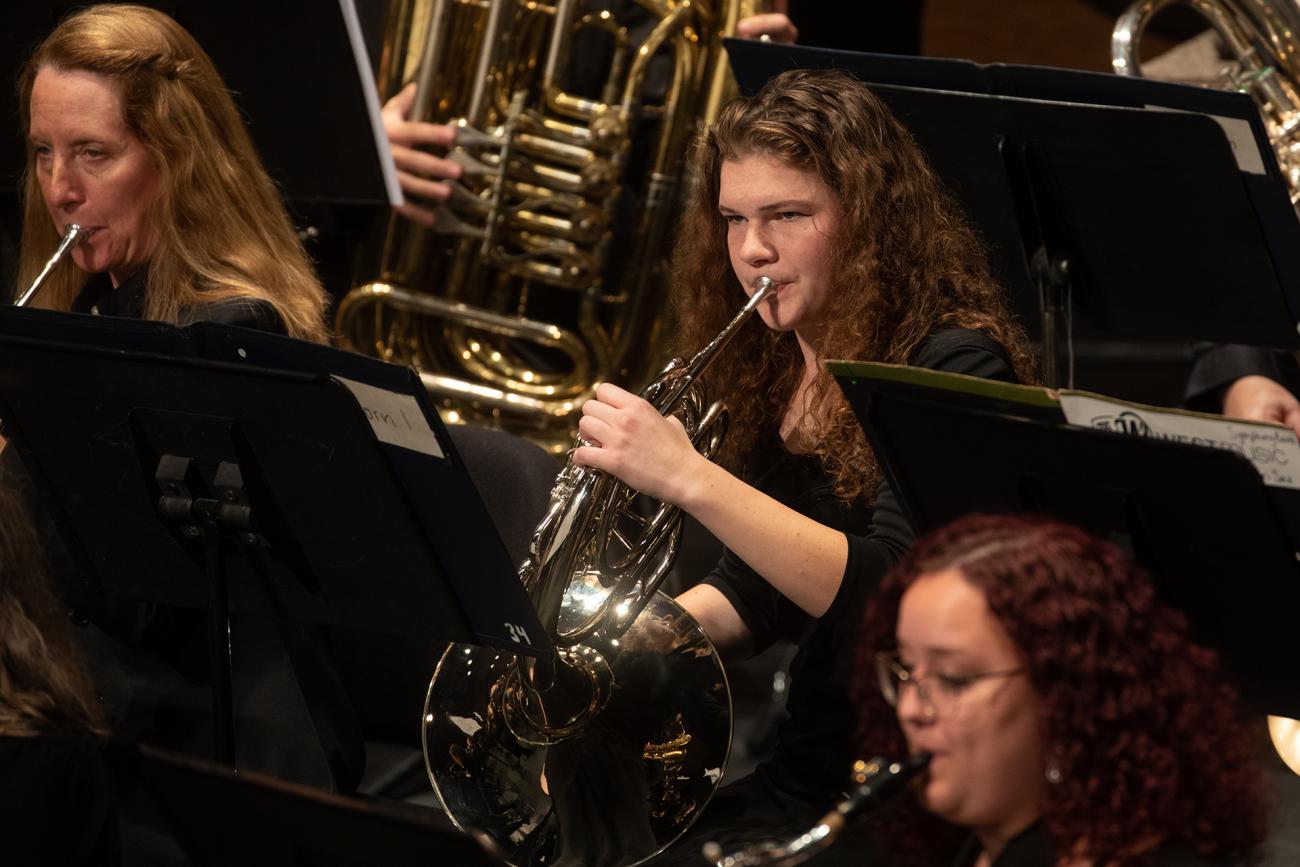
(719, 620)
(802, 559)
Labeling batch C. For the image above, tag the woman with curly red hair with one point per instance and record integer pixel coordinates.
(1070, 717)
(815, 185)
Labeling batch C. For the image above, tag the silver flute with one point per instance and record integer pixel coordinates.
(884, 780)
(71, 238)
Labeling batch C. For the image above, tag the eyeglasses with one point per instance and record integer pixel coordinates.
(940, 693)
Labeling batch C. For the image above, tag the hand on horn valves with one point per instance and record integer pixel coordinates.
(632, 441)
(425, 179)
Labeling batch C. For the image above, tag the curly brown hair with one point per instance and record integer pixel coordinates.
(1137, 716)
(44, 685)
(911, 264)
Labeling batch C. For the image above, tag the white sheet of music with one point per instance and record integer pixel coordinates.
(1273, 449)
(395, 418)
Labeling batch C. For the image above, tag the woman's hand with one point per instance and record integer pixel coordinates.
(421, 174)
(801, 558)
(631, 440)
(1259, 398)
(769, 27)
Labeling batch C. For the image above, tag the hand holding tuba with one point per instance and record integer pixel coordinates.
(542, 273)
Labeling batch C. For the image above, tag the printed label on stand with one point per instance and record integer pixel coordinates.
(396, 418)
(1272, 449)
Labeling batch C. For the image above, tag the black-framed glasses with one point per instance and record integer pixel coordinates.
(940, 693)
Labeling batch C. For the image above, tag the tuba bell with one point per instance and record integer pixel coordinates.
(525, 295)
(606, 754)
(1264, 38)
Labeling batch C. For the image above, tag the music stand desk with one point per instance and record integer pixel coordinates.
(222, 819)
(1200, 519)
(195, 466)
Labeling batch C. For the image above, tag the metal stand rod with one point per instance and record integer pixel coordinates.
(208, 520)
(223, 705)
(1053, 291)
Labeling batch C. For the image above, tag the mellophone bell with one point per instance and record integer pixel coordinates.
(814, 210)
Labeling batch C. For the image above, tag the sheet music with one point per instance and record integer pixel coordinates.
(396, 418)
(1272, 449)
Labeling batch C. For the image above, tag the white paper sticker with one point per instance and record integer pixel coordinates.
(396, 418)
(1240, 136)
(1272, 449)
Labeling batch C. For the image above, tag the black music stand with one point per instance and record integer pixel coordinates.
(179, 464)
(222, 819)
(1134, 223)
(1232, 570)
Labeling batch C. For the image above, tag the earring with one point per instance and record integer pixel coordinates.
(1053, 774)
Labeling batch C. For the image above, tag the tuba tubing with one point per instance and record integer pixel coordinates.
(1264, 37)
(564, 211)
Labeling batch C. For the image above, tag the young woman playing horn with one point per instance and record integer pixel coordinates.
(814, 184)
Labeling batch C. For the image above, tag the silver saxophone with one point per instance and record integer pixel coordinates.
(883, 780)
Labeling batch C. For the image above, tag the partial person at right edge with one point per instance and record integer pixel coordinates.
(1246, 382)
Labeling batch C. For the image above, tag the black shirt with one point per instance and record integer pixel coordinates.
(56, 802)
(815, 751)
(1215, 366)
(100, 298)
(1032, 848)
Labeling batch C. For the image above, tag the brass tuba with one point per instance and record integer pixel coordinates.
(1264, 38)
(525, 295)
(606, 754)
